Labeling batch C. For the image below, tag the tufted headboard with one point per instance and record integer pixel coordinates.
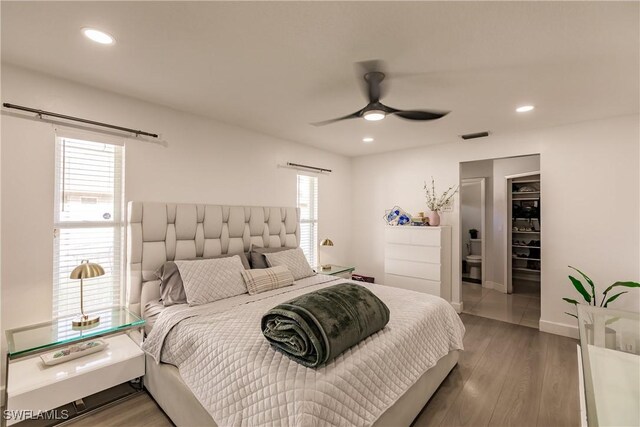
(160, 232)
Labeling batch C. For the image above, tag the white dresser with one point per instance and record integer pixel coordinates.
(419, 259)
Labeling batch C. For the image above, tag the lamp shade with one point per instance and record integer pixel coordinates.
(87, 270)
(326, 242)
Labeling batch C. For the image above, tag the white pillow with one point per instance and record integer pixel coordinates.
(209, 280)
(294, 260)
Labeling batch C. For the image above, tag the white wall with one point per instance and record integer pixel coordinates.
(590, 182)
(205, 161)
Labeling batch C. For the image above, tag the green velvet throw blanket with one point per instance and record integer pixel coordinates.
(314, 328)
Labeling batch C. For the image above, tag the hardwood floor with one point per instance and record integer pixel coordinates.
(508, 375)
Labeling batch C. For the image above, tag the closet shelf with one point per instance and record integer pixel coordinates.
(528, 181)
(526, 269)
(525, 246)
(527, 259)
(526, 192)
(525, 219)
(514, 199)
(475, 240)
(526, 232)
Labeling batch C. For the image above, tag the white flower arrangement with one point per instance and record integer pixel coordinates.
(436, 203)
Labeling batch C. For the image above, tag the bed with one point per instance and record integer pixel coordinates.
(235, 378)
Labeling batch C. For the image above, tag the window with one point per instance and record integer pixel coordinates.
(308, 205)
(88, 223)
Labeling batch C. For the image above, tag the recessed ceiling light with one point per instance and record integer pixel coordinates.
(367, 139)
(525, 108)
(98, 36)
(374, 115)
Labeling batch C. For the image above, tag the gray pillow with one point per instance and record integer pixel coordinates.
(256, 255)
(171, 286)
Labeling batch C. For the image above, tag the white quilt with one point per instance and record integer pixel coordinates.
(229, 366)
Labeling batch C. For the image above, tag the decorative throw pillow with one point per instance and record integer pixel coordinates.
(171, 287)
(294, 260)
(256, 255)
(210, 280)
(267, 279)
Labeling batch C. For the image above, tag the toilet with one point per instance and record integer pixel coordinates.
(475, 263)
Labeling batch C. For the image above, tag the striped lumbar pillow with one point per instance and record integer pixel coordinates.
(266, 279)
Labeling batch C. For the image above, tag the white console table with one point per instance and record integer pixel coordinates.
(610, 368)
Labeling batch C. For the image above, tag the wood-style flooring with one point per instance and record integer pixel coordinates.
(508, 375)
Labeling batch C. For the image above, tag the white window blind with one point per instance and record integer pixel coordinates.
(308, 205)
(88, 223)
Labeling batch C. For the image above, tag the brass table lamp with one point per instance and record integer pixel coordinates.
(86, 270)
(326, 242)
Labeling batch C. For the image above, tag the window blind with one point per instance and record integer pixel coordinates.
(88, 223)
(308, 205)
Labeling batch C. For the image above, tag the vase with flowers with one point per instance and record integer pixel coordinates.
(436, 202)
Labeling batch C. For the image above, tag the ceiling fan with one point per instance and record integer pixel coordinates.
(376, 110)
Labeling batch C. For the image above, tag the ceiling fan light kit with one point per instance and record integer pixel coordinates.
(375, 110)
(374, 115)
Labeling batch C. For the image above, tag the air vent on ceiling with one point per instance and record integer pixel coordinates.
(475, 135)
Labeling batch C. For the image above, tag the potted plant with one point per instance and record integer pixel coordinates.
(473, 233)
(590, 297)
(435, 203)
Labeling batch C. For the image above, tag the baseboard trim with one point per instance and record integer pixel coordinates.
(495, 286)
(559, 329)
(457, 306)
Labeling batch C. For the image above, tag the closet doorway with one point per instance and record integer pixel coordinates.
(501, 265)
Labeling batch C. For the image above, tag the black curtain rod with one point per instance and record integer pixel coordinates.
(308, 167)
(77, 119)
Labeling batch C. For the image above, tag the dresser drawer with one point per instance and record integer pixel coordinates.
(420, 270)
(430, 287)
(412, 252)
(421, 236)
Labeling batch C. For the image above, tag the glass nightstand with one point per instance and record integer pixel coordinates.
(336, 270)
(610, 353)
(32, 386)
(45, 336)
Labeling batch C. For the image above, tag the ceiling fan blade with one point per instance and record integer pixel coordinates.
(372, 72)
(420, 115)
(350, 116)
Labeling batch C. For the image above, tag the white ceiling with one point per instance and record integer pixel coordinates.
(276, 67)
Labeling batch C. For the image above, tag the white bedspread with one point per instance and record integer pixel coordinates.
(229, 366)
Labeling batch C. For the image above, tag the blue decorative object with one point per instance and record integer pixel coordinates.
(397, 216)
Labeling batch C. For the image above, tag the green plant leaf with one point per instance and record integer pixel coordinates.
(613, 298)
(578, 285)
(571, 301)
(590, 282)
(571, 314)
(625, 284)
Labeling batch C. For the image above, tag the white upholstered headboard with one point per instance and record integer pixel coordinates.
(160, 232)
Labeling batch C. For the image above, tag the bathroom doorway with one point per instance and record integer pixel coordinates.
(472, 205)
(500, 239)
